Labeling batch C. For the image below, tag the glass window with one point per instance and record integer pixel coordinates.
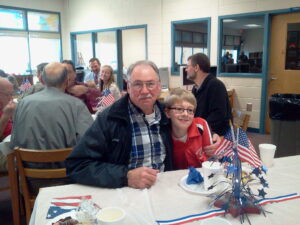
(178, 55)
(43, 21)
(106, 48)
(242, 44)
(14, 56)
(50, 45)
(133, 46)
(84, 49)
(11, 18)
(189, 38)
(292, 59)
(24, 49)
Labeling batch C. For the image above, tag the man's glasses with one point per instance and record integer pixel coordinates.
(138, 85)
(181, 110)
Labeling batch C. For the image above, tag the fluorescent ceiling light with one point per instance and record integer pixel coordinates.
(228, 20)
(252, 25)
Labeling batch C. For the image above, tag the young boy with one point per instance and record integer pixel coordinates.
(190, 135)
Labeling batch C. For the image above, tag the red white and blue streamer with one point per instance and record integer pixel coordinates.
(217, 212)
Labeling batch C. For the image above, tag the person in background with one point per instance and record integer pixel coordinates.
(87, 94)
(67, 118)
(50, 119)
(130, 141)
(93, 76)
(211, 94)
(39, 85)
(13, 80)
(191, 135)
(242, 58)
(107, 86)
(7, 109)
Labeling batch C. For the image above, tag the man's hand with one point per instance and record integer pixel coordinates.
(210, 149)
(142, 177)
(78, 90)
(9, 110)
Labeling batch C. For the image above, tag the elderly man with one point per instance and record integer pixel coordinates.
(89, 95)
(93, 76)
(7, 109)
(50, 119)
(130, 142)
(212, 99)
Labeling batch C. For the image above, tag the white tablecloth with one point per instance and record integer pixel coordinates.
(166, 200)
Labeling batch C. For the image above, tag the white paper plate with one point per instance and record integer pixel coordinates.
(199, 188)
(62, 216)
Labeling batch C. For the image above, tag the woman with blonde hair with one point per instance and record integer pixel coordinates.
(109, 89)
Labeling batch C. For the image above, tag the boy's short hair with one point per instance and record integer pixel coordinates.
(179, 95)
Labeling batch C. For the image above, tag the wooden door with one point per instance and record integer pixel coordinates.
(280, 79)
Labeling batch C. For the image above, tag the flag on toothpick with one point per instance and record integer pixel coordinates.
(59, 206)
(107, 98)
(25, 85)
(246, 151)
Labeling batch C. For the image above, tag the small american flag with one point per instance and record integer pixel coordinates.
(245, 149)
(107, 98)
(63, 205)
(25, 85)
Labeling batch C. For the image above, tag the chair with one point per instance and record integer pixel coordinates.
(38, 156)
(14, 188)
(240, 119)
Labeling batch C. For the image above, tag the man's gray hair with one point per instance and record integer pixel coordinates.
(142, 62)
(55, 79)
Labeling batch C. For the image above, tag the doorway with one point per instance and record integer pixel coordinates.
(284, 57)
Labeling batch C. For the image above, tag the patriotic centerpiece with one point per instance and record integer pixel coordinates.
(239, 200)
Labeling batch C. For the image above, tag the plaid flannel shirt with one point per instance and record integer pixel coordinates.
(147, 145)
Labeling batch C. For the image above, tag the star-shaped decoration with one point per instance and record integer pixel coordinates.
(225, 206)
(262, 193)
(256, 171)
(211, 175)
(264, 169)
(211, 187)
(225, 159)
(263, 182)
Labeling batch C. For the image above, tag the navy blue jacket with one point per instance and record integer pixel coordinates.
(102, 155)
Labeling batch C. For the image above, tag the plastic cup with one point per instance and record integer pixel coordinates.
(111, 216)
(212, 174)
(267, 153)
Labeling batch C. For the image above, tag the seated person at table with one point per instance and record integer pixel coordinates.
(130, 141)
(108, 87)
(190, 135)
(7, 109)
(87, 94)
(50, 119)
(39, 85)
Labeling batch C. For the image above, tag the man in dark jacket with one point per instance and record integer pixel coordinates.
(212, 99)
(130, 142)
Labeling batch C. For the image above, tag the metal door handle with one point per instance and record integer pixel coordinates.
(274, 78)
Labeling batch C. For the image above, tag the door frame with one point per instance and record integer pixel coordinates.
(265, 68)
(264, 93)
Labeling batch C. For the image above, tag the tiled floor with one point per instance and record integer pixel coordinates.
(5, 204)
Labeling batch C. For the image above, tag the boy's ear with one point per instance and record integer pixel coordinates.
(167, 113)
